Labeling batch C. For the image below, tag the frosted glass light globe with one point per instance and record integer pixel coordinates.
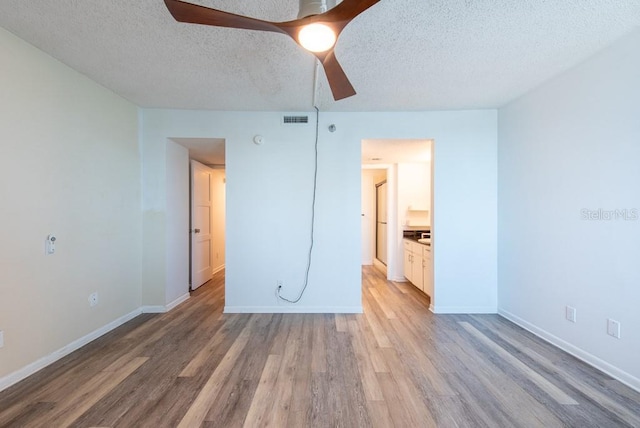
(317, 37)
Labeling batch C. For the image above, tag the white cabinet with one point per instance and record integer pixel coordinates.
(418, 265)
(414, 263)
(408, 261)
(427, 271)
(418, 279)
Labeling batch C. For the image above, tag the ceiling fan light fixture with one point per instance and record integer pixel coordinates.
(315, 7)
(320, 37)
(317, 37)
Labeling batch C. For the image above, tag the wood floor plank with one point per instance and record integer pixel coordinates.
(408, 391)
(599, 395)
(236, 394)
(345, 384)
(373, 348)
(555, 392)
(300, 413)
(319, 348)
(341, 323)
(198, 410)
(263, 398)
(200, 359)
(370, 383)
(377, 330)
(503, 397)
(380, 415)
(401, 405)
(395, 365)
(386, 308)
(74, 405)
(283, 391)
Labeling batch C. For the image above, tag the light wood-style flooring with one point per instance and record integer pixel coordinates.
(396, 365)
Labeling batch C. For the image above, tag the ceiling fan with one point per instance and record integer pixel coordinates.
(316, 29)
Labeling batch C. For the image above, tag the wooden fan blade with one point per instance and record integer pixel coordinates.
(195, 14)
(338, 81)
(337, 18)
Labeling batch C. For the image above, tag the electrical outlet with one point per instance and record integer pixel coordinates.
(613, 328)
(570, 314)
(93, 299)
(1, 338)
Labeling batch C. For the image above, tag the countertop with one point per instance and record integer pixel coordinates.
(416, 240)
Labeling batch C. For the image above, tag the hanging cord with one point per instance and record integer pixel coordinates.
(313, 215)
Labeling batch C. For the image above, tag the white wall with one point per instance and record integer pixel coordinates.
(269, 201)
(69, 165)
(574, 144)
(414, 196)
(177, 249)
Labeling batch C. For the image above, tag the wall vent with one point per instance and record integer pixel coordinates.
(295, 119)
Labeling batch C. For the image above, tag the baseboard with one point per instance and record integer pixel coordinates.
(218, 269)
(293, 309)
(592, 360)
(153, 309)
(163, 309)
(23, 373)
(463, 309)
(176, 302)
(380, 266)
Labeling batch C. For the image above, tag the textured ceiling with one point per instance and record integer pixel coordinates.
(399, 55)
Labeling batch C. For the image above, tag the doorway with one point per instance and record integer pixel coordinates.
(207, 222)
(400, 171)
(207, 207)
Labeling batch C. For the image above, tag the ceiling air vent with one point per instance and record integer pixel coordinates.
(295, 119)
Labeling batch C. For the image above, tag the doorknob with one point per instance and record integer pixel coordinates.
(196, 230)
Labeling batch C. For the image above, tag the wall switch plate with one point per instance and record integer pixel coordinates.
(1, 338)
(613, 328)
(93, 299)
(570, 314)
(51, 244)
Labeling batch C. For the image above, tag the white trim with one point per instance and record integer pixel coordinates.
(23, 373)
(153, 309)
(463, 309)
(379, 265)
(163, 309)
(592, 360)
(293, 309)
(176, 302)
(218, 269)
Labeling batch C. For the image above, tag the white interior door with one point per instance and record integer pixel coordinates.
(201, 211)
